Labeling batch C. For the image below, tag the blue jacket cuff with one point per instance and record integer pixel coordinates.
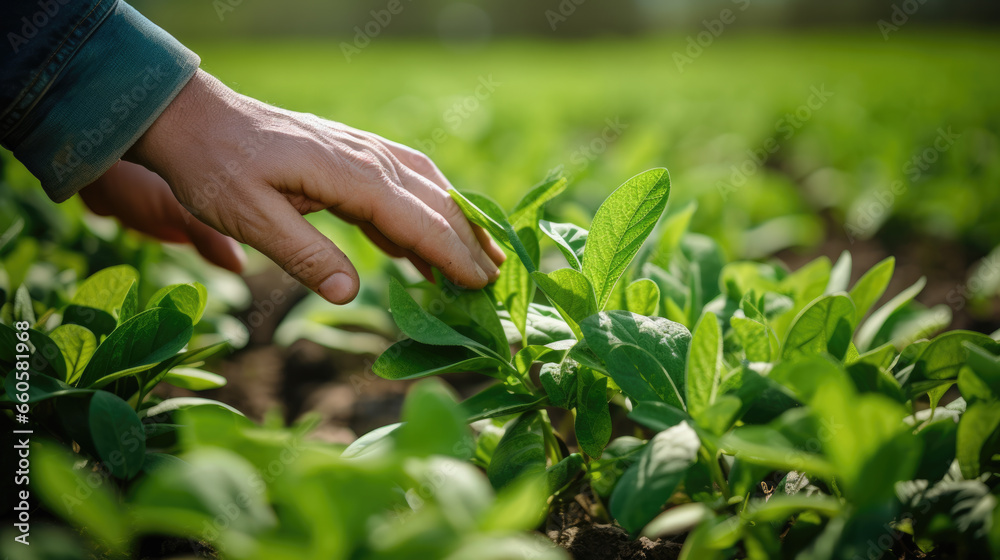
(107, 95)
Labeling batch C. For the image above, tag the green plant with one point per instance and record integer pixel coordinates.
(83, 372)
(786, 381)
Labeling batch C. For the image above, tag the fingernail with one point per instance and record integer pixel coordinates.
(338, 288)
(481, 274)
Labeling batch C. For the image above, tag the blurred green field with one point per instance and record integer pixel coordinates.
(550, 104)
(552, 101)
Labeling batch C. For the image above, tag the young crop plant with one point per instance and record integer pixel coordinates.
(83, 372)
(782, 413)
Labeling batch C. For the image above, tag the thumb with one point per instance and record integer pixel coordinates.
(284, 236)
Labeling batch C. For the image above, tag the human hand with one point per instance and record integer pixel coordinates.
(251, 171)
(142, 201)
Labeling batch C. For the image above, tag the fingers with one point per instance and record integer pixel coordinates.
(420, 164)
(218, 249)
(396, 251)
(277, 230)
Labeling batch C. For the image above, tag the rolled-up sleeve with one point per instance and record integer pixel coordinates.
(81, 82)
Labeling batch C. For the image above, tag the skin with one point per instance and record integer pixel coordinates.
(217, 168)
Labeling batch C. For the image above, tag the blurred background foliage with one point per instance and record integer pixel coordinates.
(799, 128)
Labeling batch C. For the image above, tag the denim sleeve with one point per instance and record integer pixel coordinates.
(80, 82)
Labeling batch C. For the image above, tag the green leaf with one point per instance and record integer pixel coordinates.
(643, 297)
(593, 419)
(674, 227)
(46, 357)
(642, 377)
(117, 434)
(940, 362)
(840, 274)
(58, 484)
(484, 212)
(657, 416)
(871, 286)
(569, 238)
(758, 341)
(620, 227)
(496, 401)
(867, 331)
(101, 323)
(826, 325)
(433, 423)
(23, 307)
(41, 387)
(112, 290)
(764, 445)
(194, 379)
(666, 340)
(570, 291)
(562, 473)
(986, 365)
(408, 359)
(529, 209)
(559, 381)
(704, 366)
(521, 451)
(478, 305)
(977, 425)
(651, 480)
(515, 289)
(146, 339)
(77, 345)
(424, 327)
(189, 299)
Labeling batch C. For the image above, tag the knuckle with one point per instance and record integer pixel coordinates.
(308, 264)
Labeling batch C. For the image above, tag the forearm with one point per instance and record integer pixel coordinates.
(84, 87)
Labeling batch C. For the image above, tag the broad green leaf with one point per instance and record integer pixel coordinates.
(826, 325)
(980, 422)
(409, 359)
(803, 286)
(840, 275)
(706, 256)
(667, 342)
(940, 362)
(58, 483)
(871, 286)
(722, 414)
(484, 212)
(194, 379)
(423, 327)
(763, 445)
(552, 352)
(99, 322)
(869, 378)
(620, 227)
(148, 338)
(986, 365)
(150, 377)
(46, 357)
(570, 291)
(643, 297)
(478, 305)
(881, 357)
(562, 473)
(521, 451)
(433, 423)
(657, 416)
(496, 401)
(569, 238)
(559, 381)
(650, 481)
(117, 434)
(704, 366)
(112, 290)
(77, 345)
(642, 377)
(593, 419)
(372, 442)
(189, 299)
(867, 331)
